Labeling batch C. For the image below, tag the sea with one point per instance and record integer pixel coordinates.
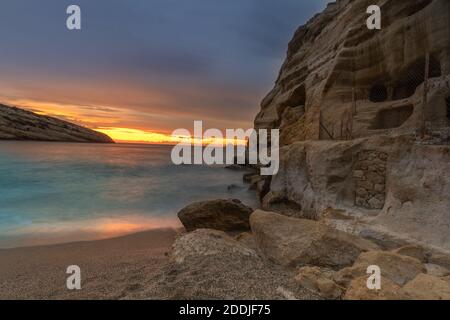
(54, 192)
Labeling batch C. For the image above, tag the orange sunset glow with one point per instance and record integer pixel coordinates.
(109, 125)
(135, 135)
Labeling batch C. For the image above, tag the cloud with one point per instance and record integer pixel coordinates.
(156, 63)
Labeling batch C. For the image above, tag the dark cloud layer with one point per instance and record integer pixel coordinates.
(174, 60)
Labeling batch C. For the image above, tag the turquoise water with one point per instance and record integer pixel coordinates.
(59, 192)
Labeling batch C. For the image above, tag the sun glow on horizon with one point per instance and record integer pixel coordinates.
(96, 118)
(129, 135)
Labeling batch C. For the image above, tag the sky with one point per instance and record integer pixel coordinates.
(139, 69)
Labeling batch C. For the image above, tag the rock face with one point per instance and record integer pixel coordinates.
(296, 242)
(349, 103)
(224, 215)
(18, 124)
(318, 175)
(336, 68)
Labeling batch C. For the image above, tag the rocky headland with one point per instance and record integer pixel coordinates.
(19, 124)
(364, 118)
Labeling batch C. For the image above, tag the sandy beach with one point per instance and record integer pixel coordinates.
(110, 269)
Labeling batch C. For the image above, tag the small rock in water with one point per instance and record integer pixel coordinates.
(232, 187)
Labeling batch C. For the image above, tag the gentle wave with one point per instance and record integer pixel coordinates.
(59, 192)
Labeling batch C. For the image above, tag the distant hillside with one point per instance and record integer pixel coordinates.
(18, 124)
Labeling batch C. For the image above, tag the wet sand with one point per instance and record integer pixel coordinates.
(110, 269)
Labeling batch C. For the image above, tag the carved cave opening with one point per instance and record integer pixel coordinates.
(406, 84)
(297, 97)
(392, 118)
(392, 11)
(296, 102)
(447, 102)
(416, 6)
(378, 93)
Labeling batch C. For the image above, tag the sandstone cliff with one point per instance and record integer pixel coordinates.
(18, 124)
(336, 67)
(364, 171)
(349, 103)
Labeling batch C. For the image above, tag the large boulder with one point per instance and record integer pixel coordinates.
(204, 243)
(298, 242)
(397, 268)
(426, 287)
(358, 290)
(224, 215)
(209, 264)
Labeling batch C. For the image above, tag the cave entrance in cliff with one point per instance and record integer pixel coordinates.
(410, 9)
(296, 101)
(392, 118)
(416, 6)
(447, 102)
(378, 93)
(297, 97)
(406, 84)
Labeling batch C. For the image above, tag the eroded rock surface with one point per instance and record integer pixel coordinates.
(427, 287)
(348, 102)
(336, 69)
